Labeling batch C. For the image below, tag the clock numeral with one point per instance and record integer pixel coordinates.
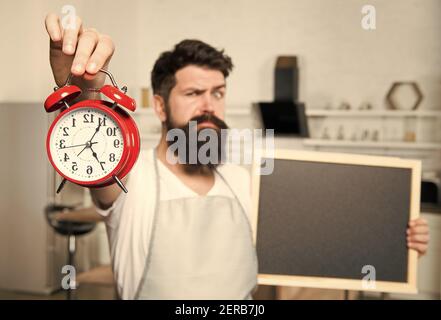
(116, 143)
(111, 132)
(89, 170)
(88, 118)
(112, 157)
(74, 166)
(102, 163)
(66, 157)
(102, 122)
(62, 141)
(65, 132)
(73, 122)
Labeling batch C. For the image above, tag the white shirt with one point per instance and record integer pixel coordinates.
(173, 188)
(129, 220)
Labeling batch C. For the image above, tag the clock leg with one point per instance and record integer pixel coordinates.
(120, 184)
(60, 187)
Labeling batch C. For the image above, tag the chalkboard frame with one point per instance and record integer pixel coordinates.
(410, 286)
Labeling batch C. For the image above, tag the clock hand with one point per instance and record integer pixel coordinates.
(96, 130)
(96, 157)
(89, 143)
(77, 145)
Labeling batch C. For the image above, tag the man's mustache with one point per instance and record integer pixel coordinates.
(209, 117)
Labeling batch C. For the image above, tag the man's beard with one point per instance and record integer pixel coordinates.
(192, 148)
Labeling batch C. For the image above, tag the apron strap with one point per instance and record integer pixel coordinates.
(155, 161)
(157, 199)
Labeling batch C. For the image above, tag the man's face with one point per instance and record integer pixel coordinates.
(197, 91)
(198, 96)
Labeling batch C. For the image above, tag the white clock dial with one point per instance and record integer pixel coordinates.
(86, 144)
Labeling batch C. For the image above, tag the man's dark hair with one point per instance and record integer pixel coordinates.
(186, 52)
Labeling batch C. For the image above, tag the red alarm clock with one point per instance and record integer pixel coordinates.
(92, 143)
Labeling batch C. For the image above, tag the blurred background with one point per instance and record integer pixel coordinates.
(356, 90)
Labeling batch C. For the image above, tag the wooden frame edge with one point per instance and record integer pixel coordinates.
(344, 158)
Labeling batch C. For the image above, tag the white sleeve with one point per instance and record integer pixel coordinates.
(111, 215)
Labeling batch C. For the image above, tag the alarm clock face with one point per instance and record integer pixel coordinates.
(86, 144)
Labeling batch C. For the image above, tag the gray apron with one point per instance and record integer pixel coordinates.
(201, 248)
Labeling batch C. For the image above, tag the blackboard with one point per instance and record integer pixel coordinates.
(329, 220)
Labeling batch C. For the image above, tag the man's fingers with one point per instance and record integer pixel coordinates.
(103, 52)
(421, 238)
(53, 27)
(421, 248)
(419, 221)
(419, 229)
(86, 45)
(70, 37)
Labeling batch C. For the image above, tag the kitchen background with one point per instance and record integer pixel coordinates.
(341, 66)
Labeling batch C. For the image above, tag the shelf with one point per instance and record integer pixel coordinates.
(372, 144)
(372, 113)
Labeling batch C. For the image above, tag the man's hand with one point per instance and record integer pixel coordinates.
(81, 51)
(418, 236)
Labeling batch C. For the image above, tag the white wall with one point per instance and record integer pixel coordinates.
(338, 59)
